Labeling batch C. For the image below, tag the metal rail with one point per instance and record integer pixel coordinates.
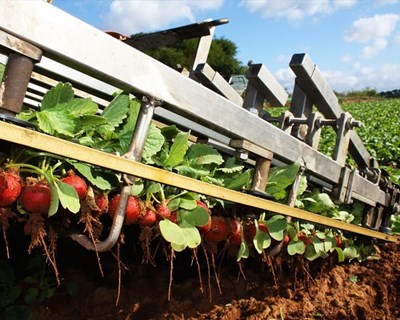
(98, 55)
(33, 139)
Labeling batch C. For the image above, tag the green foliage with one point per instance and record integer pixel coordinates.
(222, 55)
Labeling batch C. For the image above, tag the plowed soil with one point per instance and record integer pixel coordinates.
(283, 287)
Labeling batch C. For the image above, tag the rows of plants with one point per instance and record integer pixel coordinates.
(52, 196)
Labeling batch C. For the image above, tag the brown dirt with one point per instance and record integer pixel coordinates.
(292, 289)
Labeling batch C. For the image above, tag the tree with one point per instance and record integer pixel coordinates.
(222, 55)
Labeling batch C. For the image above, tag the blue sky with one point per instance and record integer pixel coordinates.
(354, 43)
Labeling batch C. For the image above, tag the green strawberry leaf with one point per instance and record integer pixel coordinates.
(61, 93)
(154, 142)
(56, 122)
(79, 107)
(178, 150)
(201, 154)
(100, 178)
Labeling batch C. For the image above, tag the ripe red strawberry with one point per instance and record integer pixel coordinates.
(77, 182)
(35, 197)
(10, 188)
(148, 219)
(133, 209)
(101, 200)
(218, 230)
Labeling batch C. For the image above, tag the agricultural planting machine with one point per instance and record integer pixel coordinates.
(42, 45)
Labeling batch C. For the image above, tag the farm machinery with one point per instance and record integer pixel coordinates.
(42, 45)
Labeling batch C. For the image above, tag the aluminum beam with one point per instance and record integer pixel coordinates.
(98, 55)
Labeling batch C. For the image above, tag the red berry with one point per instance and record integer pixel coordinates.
(77, 182)
(10, 188)
(174, 217)
(339, 241)
(250, 230)
(148, 219)
(235, 236)
(133, 209)
(101, 200)
(36, 197)
(163, 210)
(218, 230)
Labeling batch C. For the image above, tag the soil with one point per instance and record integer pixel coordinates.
(283, 287)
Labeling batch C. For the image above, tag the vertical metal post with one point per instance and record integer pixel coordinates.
(135, 153)
(15, 82)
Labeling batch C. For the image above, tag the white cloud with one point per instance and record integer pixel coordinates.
(295, 10)
(367, 29)
(370, 51)
(346, 58)
(131, 17)
(396, 40)
(382, 77)
(285, 77)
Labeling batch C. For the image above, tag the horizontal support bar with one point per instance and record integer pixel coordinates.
(40, 141)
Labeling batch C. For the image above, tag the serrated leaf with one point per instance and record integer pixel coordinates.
(171, 232)
(100, 178)
(322, 202)
(295, 247)
(280, 178)
(197, 217)
(170, 132)
(79, 107)
(154, 143)
(90, 122)
(178, 150)
(56, 122)
(115, 113)
(61, 93)
(239, 181)
(201, 154)
(232, 165)
(69, 198)
(191, 172)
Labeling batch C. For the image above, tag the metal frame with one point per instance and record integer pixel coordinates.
(100, 63)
